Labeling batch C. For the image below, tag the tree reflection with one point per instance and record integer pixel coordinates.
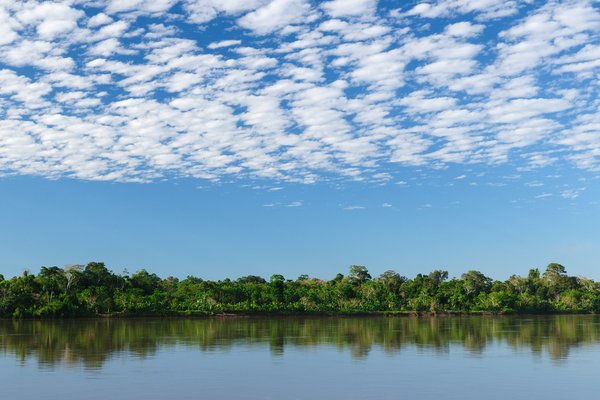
(92, 342)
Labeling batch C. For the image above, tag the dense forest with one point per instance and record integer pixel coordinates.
(94, 290)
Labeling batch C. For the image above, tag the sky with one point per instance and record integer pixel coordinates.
(222, 138)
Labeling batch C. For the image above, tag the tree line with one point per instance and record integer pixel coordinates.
(94, 290)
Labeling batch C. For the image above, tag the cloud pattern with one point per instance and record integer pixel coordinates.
(295, 90)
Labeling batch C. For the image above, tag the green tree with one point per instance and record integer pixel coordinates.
(73, 274)
(437, 277)
(94, 289)
(474, 282)
(277, 283)
(555, 269)
(251, 279)
(558, 281)
(148, 283)
(392, 281)
(359, 274)
(52, 280)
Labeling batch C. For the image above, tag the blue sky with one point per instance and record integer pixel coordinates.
(222, 138)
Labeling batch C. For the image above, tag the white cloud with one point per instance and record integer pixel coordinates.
(571, 194)
(552, 29)
(140, 6)
(464, 29)
(296, 91)
(201, 11)
(7, 28)
(50, 19)
(105, 48)
(353, 207)
(345, 8)
(535, 184)
(224, 43)
(113, 30)
(275, 15)
(487, 9)
(99, 20)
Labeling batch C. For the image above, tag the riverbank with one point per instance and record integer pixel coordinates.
(95, 291)
(251, 315)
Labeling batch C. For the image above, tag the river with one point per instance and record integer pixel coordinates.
(478, 357)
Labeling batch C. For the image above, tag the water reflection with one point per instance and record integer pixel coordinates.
(92, 342)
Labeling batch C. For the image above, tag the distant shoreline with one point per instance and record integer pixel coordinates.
(95, 291)
(400, 314)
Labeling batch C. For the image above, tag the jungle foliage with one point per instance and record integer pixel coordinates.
(94, 290)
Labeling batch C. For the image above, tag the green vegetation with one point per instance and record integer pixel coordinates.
(94, 290)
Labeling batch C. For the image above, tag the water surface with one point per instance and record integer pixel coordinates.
(550, 357)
